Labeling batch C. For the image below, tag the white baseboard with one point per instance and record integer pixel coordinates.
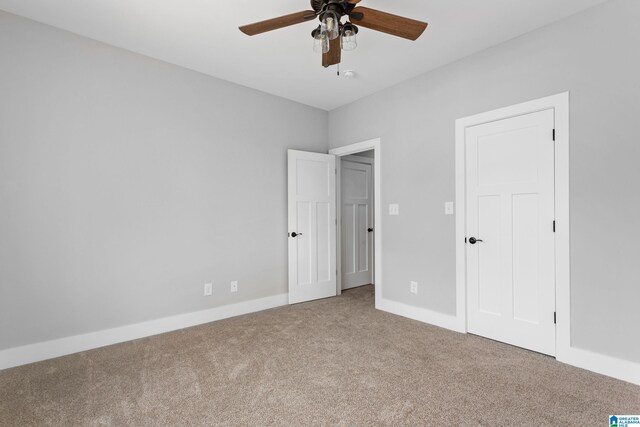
(61, 347)
(599, 363)
(442, 320)
(624, 370)
(606, 365)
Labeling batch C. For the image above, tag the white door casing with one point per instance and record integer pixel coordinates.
(510, 208)
(357, 231)
(312, 217)
(375, 145)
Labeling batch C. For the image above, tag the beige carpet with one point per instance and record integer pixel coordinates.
(331, 362)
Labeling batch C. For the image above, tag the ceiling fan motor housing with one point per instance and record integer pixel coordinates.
(340, 7)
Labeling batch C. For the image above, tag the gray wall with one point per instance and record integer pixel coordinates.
(127, 183)
(593, 55)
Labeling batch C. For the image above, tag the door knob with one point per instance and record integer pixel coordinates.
(473, 240)
(370, 230)
(294, 234)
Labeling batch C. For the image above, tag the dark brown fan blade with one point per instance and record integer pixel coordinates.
(353, 1)
(333, 56)
(280, 22)
(387, 23)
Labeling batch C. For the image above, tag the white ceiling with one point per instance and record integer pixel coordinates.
(203, 35)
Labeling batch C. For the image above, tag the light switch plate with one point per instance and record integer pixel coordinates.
(394, 209)
(448, 208)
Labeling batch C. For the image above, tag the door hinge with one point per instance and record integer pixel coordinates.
(554, 226)
(554, 134)
(465, 240)
(554, 317)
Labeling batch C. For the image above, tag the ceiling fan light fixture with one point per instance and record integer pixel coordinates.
(330, 24)
(320, 41)
(348, 39)
(330, 14)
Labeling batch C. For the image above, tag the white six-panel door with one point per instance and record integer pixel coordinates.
(510, 211)
(312, 226)
(356, 193)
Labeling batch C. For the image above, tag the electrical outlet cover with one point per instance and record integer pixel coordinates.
(234, 286)
(208, 289)
(414, 287)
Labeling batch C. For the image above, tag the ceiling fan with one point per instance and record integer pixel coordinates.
(332, 36)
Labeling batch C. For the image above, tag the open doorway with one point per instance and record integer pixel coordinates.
(359, 241)
(356, 198)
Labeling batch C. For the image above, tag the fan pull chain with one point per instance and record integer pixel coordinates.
(338, 69)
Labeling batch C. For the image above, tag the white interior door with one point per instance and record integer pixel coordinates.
(312, 226)
(357, 233)
(510, 211)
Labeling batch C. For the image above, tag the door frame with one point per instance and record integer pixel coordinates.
(354, 158)
(560, 105)
(372, 144)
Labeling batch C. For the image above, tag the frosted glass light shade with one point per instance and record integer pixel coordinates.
(348, 41)
(321, 42)
(331, 25)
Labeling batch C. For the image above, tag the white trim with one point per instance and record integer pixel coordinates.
(372, 144)
(435, 318)
(338, 226)
(563, 238)
(624, 370)
(61, 347)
